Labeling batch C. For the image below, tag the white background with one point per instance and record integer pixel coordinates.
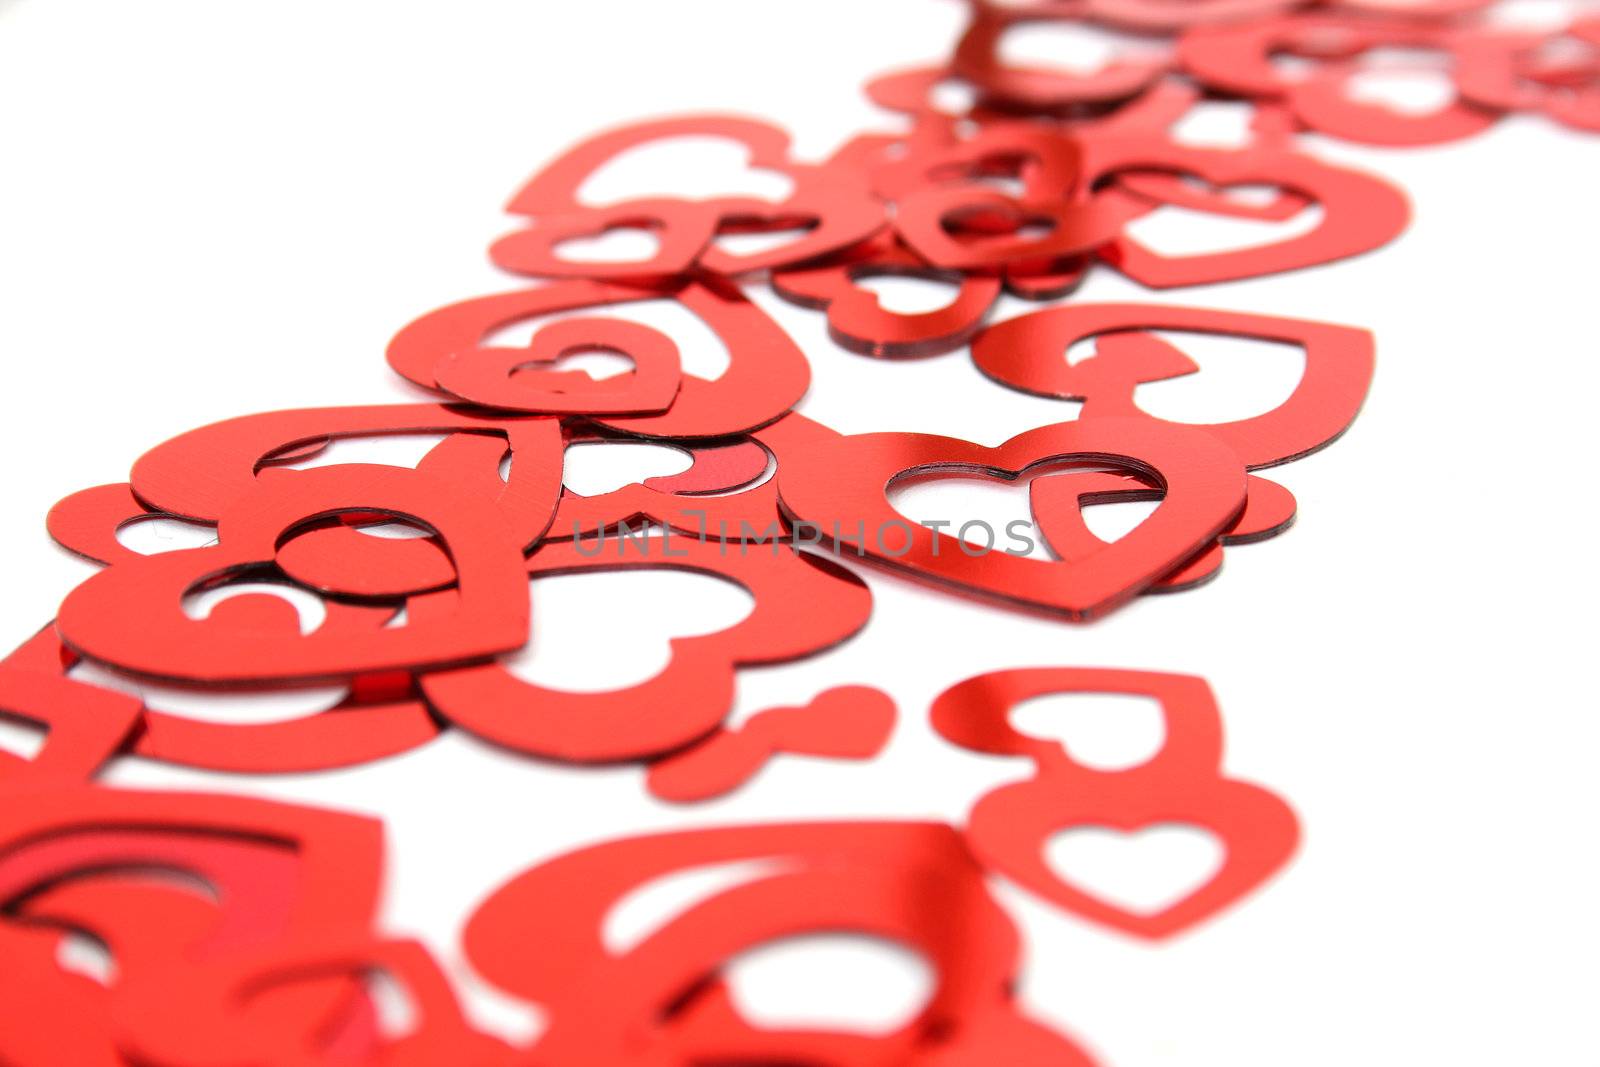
(210, 209)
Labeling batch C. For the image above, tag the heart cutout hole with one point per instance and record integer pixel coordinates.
(1239, 378)
(1216, 124)
(594, 468)
(619, 244)
(596, 364)
(984, 512)
(162, 533)
(833, 982)
(987, 514)
(1170, 230)
(637, 613)
(1103, 731)
(1114, 520)
(1145, 871)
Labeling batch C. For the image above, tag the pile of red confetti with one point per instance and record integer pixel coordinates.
(243, 932)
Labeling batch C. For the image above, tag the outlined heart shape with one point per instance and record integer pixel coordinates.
(767, 373)
(1029, 353)
(838, 485)
(1009, 827)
